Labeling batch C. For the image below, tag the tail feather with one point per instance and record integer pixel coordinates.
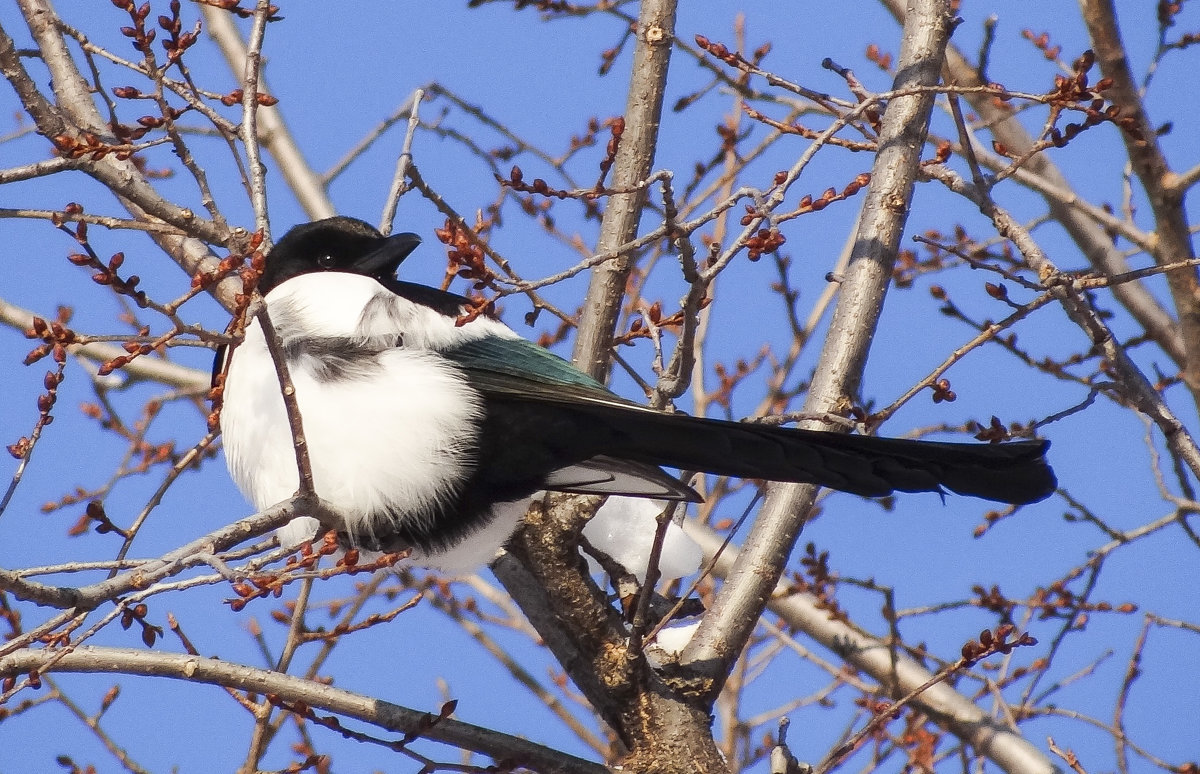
(865, 465)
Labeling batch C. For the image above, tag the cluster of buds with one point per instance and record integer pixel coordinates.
(1042, 42)
(129, 134)
(236, 96)
(45, 403)
(146, 123)
(992, 599)
(990, 643)
(1075, 88)
(516, 181)
(942, 392)
(617, 128)
(1075, 92)
(9, 683)
(304, 562)
(1167, 11)
(995, 432)
(256, 587)
(729, 136)
(882, 59)
(941, 154)
(638, 329)
(249, 275)
(230, 264)
(580, 141)
(179, 41)
(55, 336)
(1058, 601)
(722, 52)
(95, 516)
(547, 339)
(768, 240)
(809, 204)
(465, 255)
(821, 582)
(478, 305)
(89, 144)
(765, 240)
(880, 708)
(135, 350)
(137, 614)
(106, 274)
(723, 393)
(142, 38)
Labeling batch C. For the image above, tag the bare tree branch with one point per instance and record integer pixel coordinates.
(1093, 242)
(80, 115)
(273, 132)
(1152, 170)
(385, 715)
(727, 627)
(142, 368)
(1001, 744)
(635, 157)
(1134, 385)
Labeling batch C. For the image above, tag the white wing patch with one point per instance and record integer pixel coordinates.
(606, 476)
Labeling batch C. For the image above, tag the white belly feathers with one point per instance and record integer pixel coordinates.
(414, 418)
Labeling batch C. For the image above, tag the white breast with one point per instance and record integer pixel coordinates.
(392, 443)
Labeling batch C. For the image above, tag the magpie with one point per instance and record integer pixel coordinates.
(429, 432)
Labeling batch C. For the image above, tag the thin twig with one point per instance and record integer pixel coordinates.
(400, 178)
(250, 74)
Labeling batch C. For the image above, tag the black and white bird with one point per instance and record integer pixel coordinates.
(428, 433)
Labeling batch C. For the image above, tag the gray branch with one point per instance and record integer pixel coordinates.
(623, 211)
(273, 132)
(139, 369)
(1000, 744)
(383, 714)
(1088, 234)
(727, 627)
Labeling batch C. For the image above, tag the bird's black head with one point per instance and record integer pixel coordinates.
(335, 244)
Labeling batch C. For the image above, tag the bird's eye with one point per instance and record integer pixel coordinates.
(325, 261)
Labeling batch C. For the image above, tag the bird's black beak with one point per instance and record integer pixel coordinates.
(387, 257)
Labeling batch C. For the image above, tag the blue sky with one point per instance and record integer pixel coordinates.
(339, 69)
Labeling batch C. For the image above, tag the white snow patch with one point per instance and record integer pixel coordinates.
(674, 638)
(624, 529)
(669, 643)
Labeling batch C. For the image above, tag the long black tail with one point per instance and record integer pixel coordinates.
(864, 465)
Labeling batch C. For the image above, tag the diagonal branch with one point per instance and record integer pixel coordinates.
(727, 627)
(1133, 383)
(142, 368)
(798, 609)
(79, 114)
(1089, 235)
(1150, 165)
(385, 715)
(256, 170)
(123, 178)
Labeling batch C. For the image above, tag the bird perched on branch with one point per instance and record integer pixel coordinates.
(429, 433)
